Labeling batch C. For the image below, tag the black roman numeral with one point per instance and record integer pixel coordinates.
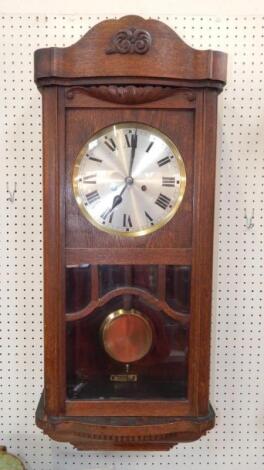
(110, 144)
(94, 159)
(92, 197)
(90, 179)
(164, 161)
(149, 147)
(131, 140)
(168, 181)
(163, 201)
(127, 222)
(149, 217)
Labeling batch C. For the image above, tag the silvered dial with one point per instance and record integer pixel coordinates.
(129, 179)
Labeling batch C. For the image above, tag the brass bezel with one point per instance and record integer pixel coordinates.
(167, 218)
(116, 314)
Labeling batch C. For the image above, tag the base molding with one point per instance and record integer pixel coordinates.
(124, 433)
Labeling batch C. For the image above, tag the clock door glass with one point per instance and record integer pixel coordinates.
(129, 179)
(128, 347)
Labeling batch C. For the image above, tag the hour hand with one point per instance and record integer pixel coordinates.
(118, 199)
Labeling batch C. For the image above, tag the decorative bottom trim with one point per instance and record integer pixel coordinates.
(124, 433)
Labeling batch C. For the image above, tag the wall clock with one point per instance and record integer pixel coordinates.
(129, 136)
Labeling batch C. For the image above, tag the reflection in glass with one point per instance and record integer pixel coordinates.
(178, 287)
(114, 276)
(161, 373)
(78, 287)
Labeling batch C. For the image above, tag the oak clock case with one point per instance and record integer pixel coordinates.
(129, 164)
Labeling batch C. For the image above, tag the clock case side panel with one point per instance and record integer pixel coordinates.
(54, 263)
(202, 249)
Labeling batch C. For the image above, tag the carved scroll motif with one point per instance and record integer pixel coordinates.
(130, 41)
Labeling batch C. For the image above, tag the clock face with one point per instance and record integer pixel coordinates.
(129, 179)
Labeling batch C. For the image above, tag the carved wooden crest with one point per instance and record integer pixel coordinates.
(129, 41)
(129, 47)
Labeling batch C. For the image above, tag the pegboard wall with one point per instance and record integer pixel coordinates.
(237, 387)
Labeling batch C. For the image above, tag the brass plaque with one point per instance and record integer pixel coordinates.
(123, 378)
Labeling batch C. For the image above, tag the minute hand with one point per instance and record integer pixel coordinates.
(133, 151)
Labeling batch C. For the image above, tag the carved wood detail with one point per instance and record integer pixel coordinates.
(160, 304)
(92, 57)
(124, 432)
(127, 94)
(130, 41)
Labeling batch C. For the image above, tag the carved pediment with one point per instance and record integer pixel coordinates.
(129, 47)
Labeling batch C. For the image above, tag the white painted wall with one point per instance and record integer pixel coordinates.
(237, 387)
(142, 7)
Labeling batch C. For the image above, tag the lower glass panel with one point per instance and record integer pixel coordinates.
(162, 373)
(178, 287)
(113, 276)
(78, 287)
